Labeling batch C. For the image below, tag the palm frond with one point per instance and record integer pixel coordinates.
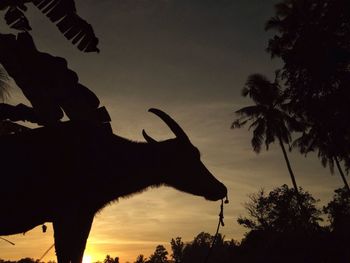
(245, 91)
(331, 165)
(270, 134)
(262, 91)
(301, 143)
(251, 111)
(283, 131)
(323, 159)
(269, 120)
(258, 122)
(306, 143)
(284, 8)
(273, 23)
(63, 14)
(4, 86)
(16, 19)
(258, 137)
(256, 87)
(239, 123)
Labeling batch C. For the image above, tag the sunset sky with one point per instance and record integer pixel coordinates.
(189, 58)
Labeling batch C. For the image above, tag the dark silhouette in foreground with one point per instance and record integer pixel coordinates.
(48, 83)
(276, 232)
(63, 13)
(66, 173)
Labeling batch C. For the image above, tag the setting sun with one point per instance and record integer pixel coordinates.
(87, 259)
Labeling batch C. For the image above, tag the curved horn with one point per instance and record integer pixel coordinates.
(148, 138)
(174, 127)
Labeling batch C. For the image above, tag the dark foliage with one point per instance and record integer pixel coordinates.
(279, 211)
(109, 259)
(177, 247)
(61, 12)
(140, 259)
(198, 249)
(159, 255)
(46, 81)
(312, 39)
(338, 211)
(23, 260)
(280, 232)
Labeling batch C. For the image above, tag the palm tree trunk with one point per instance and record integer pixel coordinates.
(303, 213)
(288, 165)
(341, 173)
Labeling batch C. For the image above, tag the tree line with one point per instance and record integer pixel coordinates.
(278, 230)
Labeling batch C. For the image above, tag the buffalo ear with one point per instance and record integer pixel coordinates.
(148, 138)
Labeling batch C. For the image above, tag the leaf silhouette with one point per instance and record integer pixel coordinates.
(73, 27)
(60, 12)
(15, 18)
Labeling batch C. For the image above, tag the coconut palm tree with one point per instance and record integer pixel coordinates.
(61, 12)
(267, 117)
(321, 139)
(317, 74)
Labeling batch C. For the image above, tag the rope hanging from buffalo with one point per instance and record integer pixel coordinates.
(46, 252)
(220, 223)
